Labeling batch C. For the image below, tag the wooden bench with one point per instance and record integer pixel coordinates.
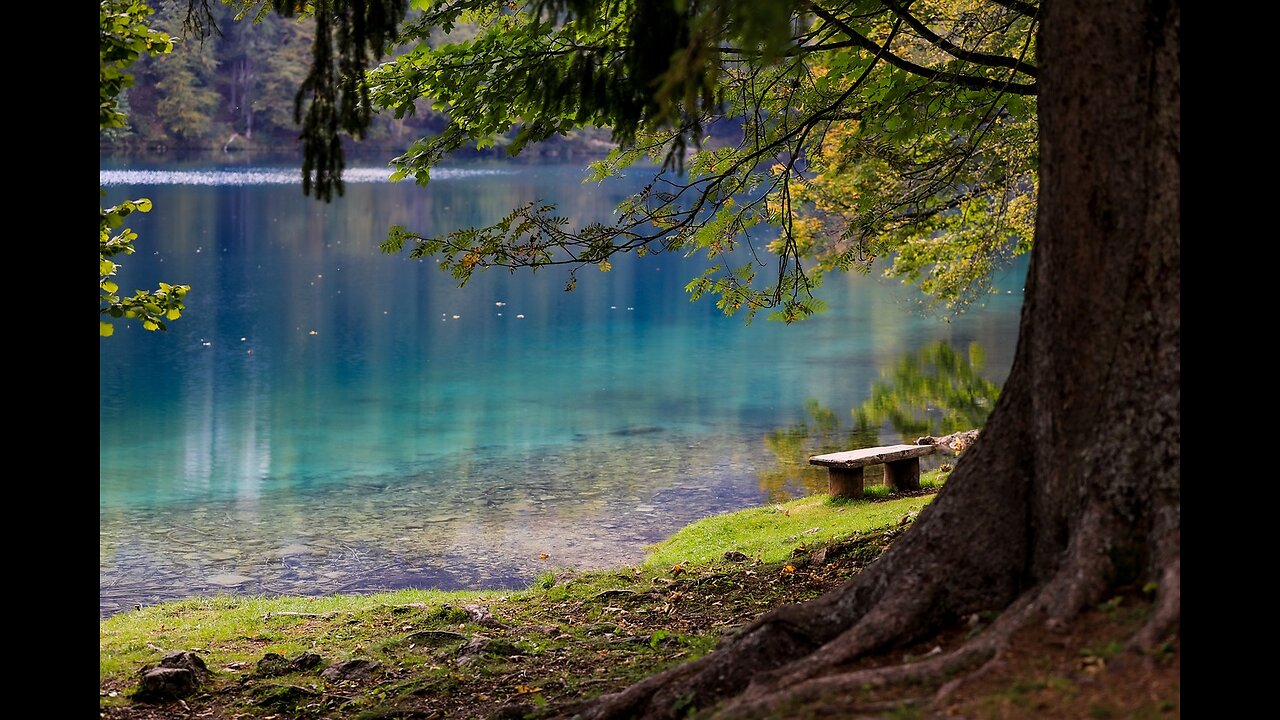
(901, 467)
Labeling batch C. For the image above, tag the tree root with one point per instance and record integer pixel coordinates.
(877, 629)
(795, 657)
(1168, 558)
(795, 688)
(937, 573)
(847, 685)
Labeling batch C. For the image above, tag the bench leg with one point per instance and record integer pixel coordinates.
(902, 474)
(844, 482)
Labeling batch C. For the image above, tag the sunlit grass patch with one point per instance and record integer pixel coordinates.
(770, 533)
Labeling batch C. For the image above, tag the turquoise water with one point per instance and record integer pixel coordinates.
(327, 418)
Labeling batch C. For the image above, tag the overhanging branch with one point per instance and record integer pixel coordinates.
(1022, 8)
(970, 81)
(956, 51)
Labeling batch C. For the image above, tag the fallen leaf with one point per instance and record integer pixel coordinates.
(543, 556)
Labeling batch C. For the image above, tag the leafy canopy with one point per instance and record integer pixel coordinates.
(838, 130)
(124, 37)
(842, 130)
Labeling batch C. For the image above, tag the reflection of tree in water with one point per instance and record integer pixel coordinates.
(936, 391)
(820, 433)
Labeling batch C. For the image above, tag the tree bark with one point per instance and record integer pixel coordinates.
(1073, 488)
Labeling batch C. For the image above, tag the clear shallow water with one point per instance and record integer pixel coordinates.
(327, 418)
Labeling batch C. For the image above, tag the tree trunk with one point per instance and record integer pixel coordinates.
(1073, 488)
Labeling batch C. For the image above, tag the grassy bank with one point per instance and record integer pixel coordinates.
(548, 641)
(516, 654)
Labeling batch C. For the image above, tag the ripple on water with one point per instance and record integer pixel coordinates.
(268, 176)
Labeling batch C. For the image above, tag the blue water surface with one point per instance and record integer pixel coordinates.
(328, 418)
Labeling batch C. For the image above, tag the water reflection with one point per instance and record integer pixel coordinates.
(935, 391)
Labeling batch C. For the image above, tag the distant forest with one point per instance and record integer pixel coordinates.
(234, 91)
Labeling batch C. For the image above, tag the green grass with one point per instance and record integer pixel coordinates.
(244, 628)
(770, 533)
(229, 630)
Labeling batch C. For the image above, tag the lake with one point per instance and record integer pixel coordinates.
(326, 418)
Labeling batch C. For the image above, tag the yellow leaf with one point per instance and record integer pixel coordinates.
(605, 266)
(526, 689)
(788, 568)
(106, 329)
(173, 314)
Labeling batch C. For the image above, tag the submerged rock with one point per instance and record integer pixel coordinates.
(637, 430)
(228, 580)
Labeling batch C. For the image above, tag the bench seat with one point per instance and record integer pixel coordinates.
(845, 469)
